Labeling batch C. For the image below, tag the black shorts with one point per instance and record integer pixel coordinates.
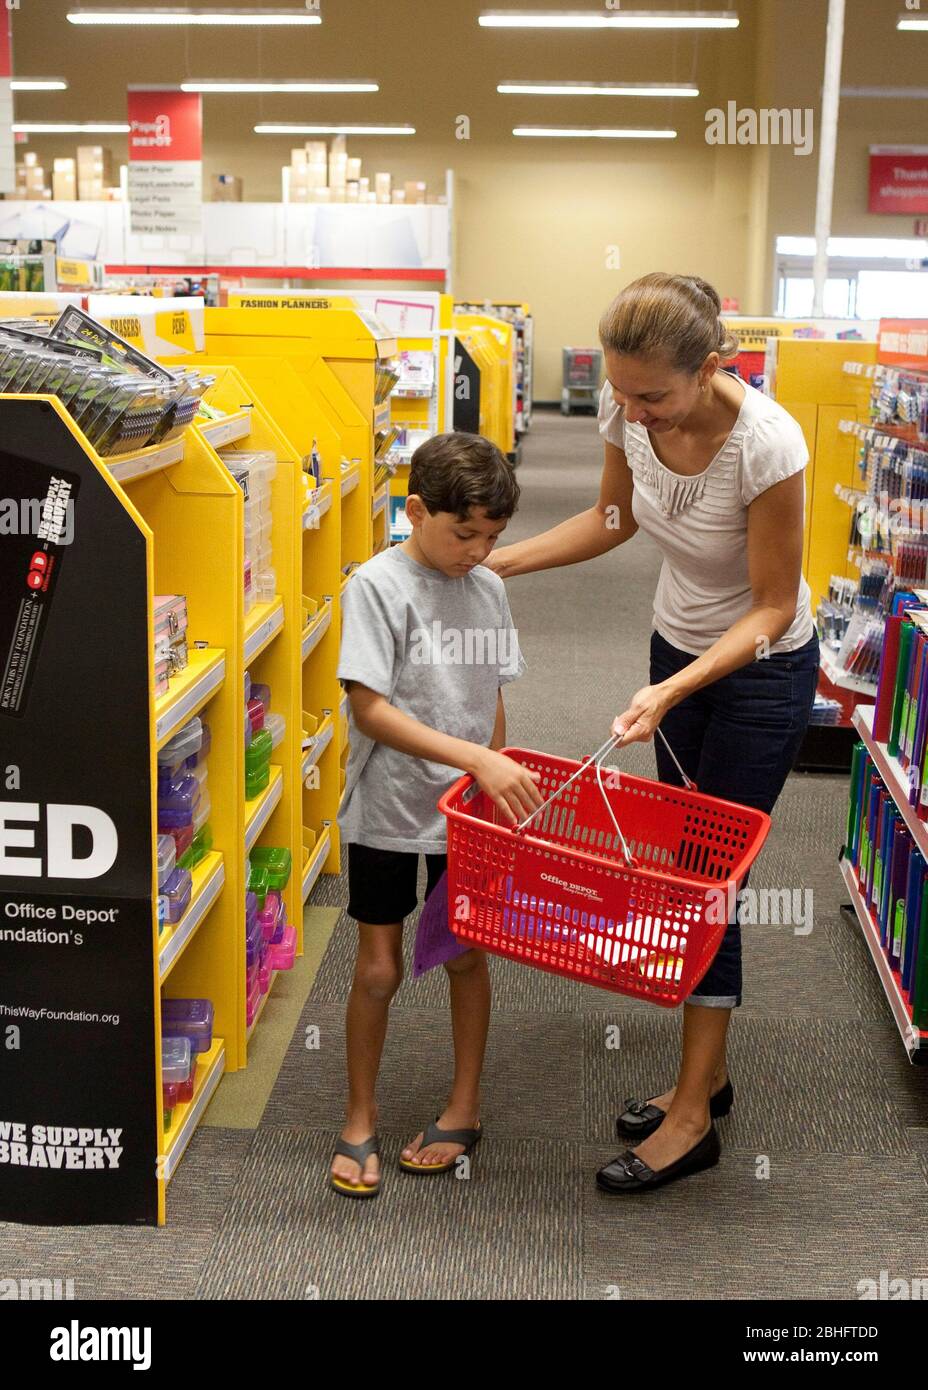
(382, 883)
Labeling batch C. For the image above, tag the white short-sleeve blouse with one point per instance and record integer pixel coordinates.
(700, 523)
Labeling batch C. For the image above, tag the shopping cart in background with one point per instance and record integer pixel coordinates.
(640, 913)
(583, 371)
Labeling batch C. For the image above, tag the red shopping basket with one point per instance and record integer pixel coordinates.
(641, 914)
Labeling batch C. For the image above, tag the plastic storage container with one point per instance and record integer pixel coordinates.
(188, 1018)
(176, 1060)
(277, 862)
(167, 859)
(185, 744)
(276, 726)
(178, 803)
(200, 847)
(282, 957)
(176, 895)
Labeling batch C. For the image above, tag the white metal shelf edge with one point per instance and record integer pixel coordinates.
(219, 433)
(253, 830)
(314, 635)
(907, 1030)
(175, 717)
(320, 744)
(168, 454)
(192, 918)
(262, 635)
(194, 1115)
(350, 482)
(892, 775)
(314, 867)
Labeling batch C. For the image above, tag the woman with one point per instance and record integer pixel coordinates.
(712, 470)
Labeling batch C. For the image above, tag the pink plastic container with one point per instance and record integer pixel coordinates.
(283, 956)
(269, 914)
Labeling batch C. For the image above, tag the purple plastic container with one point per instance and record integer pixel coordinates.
(188, 1018)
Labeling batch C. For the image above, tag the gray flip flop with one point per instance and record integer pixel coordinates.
(360, 1153)
(433, 1135)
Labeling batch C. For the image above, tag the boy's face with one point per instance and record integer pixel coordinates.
(455, 547)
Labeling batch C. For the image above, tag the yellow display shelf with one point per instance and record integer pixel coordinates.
(136, 465)
(314, 631)
(188, 692)
(492, 344)
(208, 879)
(231, 429)
(313, 866)
(186, 1117)
(320, 742)
(262, 625)
(258, 811)
(260, 1009)
(812, 385)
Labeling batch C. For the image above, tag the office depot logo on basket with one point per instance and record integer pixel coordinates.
(582, 889)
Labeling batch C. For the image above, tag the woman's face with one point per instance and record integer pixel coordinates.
(653, 393)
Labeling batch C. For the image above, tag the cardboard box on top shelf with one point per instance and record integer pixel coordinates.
(113, 195)
(321, 195)
(364, 187)
(398, 195)
(354, 170)
(339, 145)
(227, 188)
(317, 152)
(95, 161)
(317, 176)
(64, 180)
(30, 159)
(416, 192)
(338, 170)
(339, 195)
(298, 159)
(383, 187)
(353, 191)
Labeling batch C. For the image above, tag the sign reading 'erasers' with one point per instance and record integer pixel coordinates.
(78, 1104)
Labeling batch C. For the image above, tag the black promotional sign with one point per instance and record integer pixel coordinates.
(78, 1117)
(466, 390)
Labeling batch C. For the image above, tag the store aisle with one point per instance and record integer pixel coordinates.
(824, 1175)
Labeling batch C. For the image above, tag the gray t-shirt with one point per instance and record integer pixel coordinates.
(437, 648)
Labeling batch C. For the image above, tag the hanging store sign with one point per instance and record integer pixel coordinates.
(165, 163)
(899, 179)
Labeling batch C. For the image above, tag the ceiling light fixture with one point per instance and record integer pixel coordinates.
(69, 128)
(218, 18)
(39, 84)
(562, 133)
(300, 87)
(335, 130)
(907, 21)
(605, 89)
(629, 19)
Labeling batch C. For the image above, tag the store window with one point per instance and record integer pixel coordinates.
(869, 277)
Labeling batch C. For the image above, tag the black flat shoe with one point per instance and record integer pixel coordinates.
(641, 1119)
(628, 1174)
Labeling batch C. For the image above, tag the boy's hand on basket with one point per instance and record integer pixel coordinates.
(508, 784)
(643, 715)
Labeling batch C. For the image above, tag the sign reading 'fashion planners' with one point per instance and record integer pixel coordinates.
(78, 1101)
(166, 164)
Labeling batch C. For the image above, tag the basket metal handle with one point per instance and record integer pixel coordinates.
(596, 759)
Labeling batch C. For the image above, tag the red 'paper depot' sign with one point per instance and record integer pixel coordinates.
(166, 163)
(899, 179)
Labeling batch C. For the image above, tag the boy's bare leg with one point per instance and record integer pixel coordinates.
(377, 976)
(469, 981)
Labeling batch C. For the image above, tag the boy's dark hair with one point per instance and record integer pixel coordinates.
(456, 472)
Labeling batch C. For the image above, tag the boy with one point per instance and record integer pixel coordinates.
(427, 643)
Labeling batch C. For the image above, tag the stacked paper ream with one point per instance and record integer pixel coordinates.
(383, 187)
(64, 180)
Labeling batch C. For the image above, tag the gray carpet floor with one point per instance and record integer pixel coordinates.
(824, 1176)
